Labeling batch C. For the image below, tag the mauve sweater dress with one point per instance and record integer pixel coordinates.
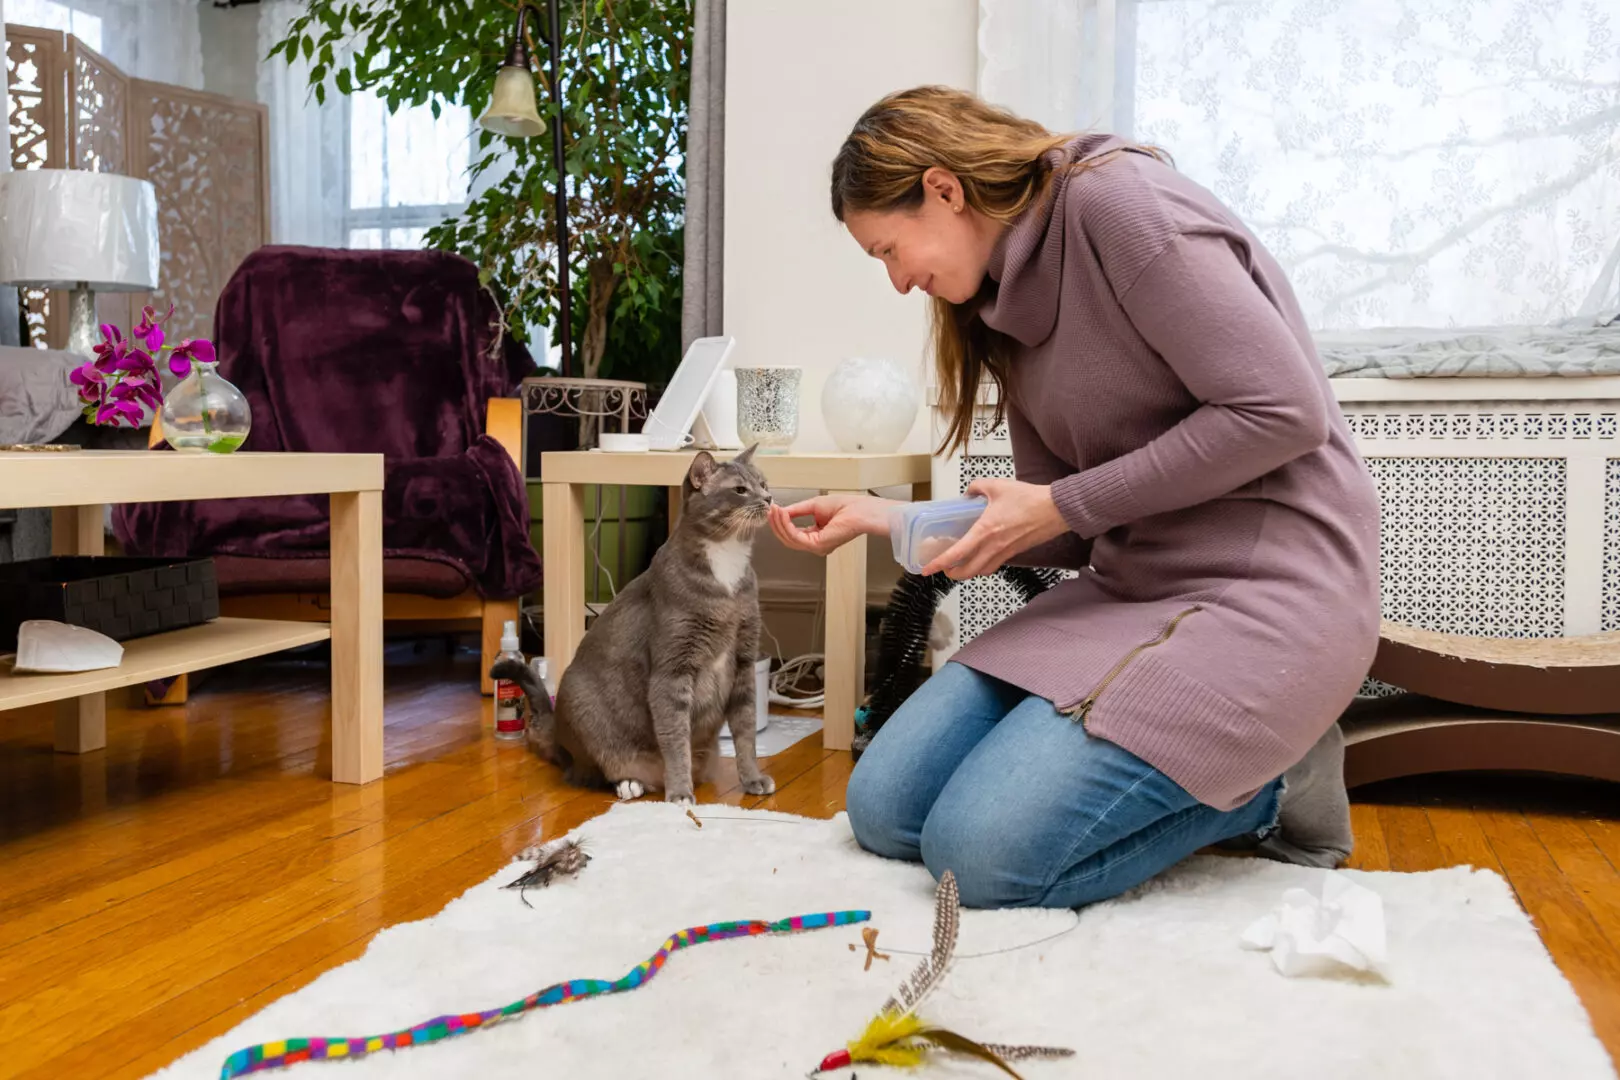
(1225, 528)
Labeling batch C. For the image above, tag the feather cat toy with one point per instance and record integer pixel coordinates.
(898, 1037)
(560, 858)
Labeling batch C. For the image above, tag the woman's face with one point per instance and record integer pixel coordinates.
(941, 247)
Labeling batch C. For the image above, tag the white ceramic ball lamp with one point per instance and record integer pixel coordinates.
(869, 405)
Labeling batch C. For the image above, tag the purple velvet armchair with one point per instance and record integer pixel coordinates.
(391, 352)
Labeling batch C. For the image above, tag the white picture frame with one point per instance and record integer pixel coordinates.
(669, 426)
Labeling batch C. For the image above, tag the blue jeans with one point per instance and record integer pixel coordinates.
(976, 776)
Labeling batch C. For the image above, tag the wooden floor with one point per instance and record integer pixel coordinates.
(155, 894)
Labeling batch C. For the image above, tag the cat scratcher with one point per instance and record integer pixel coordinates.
(903, 638)
(1488, 704)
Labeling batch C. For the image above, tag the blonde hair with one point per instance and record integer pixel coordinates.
(1002, 163)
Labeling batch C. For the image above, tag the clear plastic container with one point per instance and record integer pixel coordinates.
(922, 531)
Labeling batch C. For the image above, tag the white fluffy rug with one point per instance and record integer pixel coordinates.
(1151, 985)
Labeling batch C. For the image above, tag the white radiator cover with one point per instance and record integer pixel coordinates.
(1500, 503)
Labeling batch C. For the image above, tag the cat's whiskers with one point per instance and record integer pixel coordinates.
(744, 519)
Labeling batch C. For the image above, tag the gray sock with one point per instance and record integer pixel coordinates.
(1314, 819)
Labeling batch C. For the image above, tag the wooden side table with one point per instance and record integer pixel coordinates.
(565, 475)
(79, 485)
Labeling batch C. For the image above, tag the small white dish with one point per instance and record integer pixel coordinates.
(617, 443)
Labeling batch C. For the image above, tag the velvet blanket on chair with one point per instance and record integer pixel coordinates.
(391, 352)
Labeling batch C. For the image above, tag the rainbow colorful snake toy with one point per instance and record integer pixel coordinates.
(276, 1055)
(896, 1037)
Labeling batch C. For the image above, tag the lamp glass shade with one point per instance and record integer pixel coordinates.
(511, 108)
(60, 228)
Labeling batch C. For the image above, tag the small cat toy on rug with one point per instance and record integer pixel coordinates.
(898, 1037)
(285, 1052)
(565, 857)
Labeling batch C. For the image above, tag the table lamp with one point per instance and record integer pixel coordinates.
(85, 232)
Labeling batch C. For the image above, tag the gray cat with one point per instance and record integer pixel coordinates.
(671, 659)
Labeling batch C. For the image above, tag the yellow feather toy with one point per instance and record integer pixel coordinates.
(898, 1037)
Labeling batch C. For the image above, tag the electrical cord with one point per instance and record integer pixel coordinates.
(596, 554)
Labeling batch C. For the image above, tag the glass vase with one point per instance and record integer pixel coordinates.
(768, 407)
(205, 412)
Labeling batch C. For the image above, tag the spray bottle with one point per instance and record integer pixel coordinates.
(511, 710)
(542, 672)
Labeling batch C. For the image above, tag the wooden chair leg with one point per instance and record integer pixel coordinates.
(496, 614)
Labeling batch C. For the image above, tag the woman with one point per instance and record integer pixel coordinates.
(1175, 443)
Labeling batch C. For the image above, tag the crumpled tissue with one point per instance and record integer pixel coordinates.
(1337, 927)
(47, 646)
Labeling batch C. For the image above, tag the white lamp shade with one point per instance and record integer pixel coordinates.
(63, 227)
(512, 109)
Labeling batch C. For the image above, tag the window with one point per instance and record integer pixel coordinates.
(1423, 162)
(56, 15)
(407, 171)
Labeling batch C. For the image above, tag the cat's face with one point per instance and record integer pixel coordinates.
(729, 498)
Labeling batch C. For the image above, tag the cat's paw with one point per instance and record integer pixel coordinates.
(630, 789)
(763, 786)
(680, 798)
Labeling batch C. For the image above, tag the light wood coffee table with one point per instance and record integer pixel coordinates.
(565, 475)
(78, 485)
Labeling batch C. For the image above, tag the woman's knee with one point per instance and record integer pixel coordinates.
(880, 815)
(992, 861)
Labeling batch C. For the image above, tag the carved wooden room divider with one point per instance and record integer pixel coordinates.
(206, 155)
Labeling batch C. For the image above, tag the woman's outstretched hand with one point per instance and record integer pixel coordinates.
(838, 520)
(1019, 517)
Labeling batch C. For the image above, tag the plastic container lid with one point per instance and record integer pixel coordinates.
(509, 636)
(922, 531)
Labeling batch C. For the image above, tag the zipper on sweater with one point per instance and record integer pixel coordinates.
(1078, 713)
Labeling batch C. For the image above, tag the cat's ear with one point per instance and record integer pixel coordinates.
(703, 467)
(747, 456)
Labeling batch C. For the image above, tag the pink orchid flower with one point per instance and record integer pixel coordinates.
(121, 382)
(91, 383)
(189, 351)
(150, 328)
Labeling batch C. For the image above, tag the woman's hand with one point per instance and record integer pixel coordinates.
(1019, 517)
(839, 519)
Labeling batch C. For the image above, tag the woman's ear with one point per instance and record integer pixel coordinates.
(942, 185)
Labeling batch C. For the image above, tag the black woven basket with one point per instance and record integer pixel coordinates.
(120, 597)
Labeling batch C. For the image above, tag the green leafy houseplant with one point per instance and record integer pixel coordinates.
(625, 78)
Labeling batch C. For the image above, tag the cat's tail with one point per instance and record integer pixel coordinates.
(542, 729)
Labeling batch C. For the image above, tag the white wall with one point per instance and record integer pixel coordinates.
(798, 75)
(230, 50)
(798, 290)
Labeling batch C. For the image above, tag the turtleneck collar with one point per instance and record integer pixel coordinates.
(1020, 297)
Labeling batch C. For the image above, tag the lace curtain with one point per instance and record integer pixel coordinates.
(348, 173)
(1421, 163)
(158, 40)
(306, 143)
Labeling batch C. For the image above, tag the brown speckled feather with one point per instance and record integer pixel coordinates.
(947, 922)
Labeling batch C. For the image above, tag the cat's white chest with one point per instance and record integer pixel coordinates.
(728, 560)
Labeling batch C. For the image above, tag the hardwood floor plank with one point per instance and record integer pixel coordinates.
(1589, 873)
(1586, 957)
(201, 1013)
(1461, 840)
(1409, 839)
(63, 904)
(97, 995)
(817, 792)
(1370, 852)
(1605, 834)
